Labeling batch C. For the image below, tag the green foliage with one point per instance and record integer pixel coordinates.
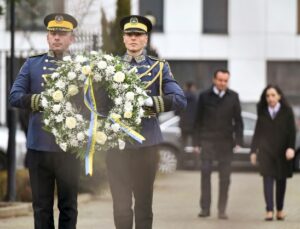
(112, 38)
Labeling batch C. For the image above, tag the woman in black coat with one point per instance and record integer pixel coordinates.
(273, 146)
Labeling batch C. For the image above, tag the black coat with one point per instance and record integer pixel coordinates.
(271, 139)
(219, 119)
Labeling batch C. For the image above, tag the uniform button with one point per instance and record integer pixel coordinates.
(149, 74)
(44, 68)
(46, 60)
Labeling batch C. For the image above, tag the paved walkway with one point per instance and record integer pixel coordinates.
(176, 206)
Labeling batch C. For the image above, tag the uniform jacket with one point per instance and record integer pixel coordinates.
(219, 119)
(271, 139)
(28, 82)
(164, 90)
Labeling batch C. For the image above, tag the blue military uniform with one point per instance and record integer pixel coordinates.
(48, 164)
(132, 173)
(25, 91)
(162, 88)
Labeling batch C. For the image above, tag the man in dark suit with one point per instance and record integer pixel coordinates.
(219, 128)
(48, 164)
(131, 172)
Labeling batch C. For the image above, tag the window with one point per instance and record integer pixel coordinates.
(30, 13)
(215, 16)
(286, 75)
(154, 8)
(200, 72)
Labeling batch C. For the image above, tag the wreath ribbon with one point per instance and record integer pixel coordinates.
(90, 102)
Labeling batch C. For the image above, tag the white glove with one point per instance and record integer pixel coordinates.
(148, 102)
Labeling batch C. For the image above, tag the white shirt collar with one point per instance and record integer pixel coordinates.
(217, 92)
(275, 109)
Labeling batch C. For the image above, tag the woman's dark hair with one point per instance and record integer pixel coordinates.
(262, 104)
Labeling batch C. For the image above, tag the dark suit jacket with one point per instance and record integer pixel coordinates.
(271, 139)
(219, 119)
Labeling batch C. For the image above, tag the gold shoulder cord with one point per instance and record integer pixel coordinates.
(159, 74)
(149, 70)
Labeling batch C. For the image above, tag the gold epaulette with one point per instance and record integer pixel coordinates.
(156, 58)
(36, 55)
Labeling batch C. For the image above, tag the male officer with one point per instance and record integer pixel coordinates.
(47, 163)
(132, 173)
(219, 127)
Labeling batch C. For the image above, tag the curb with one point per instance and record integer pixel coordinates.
(13, 209)
(8, 209)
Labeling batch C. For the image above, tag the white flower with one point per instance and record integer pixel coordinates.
(57, 96)
(80, 59)
(79, 117)
(78, 67)
(63, 146)
(72, 90)
(93, 52)
(127, 114)
(134, 69)
(138, 121)
(101, 137)
(44, 102)
(67, 58)
(110, 70)
(140, 101)
(55, 75)
(125, 86)
(141, 112)
(60, 84)
(118, 101)
(115, 86)
(121, 144)
(74, 142)
(138, 90)
(80, 136)
(108, 57)
(71, 122)
(128, 106)
(68, 106)
(56, 108)
(46, 121)
(71, 75)
(119, 77)
(86, 70)
(59, 118)
(82, 77)
(115, 127)
(101, 64)
(97, 77)
(54, 132)
(129, 96)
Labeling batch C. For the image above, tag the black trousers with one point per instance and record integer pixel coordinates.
(46, 169)
(222, 153)
(131, 173)
(269, 190)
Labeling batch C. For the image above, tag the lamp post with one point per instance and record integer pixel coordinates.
(12, 116)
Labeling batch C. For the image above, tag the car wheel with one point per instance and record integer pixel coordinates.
(168, 160)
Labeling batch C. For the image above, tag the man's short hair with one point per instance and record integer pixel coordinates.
(221, 70)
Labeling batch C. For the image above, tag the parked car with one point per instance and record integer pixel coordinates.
(173, 155)
(20, 148)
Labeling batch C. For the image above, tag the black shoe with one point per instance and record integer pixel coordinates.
(223, 216)
(204, 213)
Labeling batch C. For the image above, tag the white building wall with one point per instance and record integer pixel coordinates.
(258, 30)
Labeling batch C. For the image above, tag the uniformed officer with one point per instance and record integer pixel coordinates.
(132, 173)
(48, 164)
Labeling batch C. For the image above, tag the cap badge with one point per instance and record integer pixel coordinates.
(59, 18)
(134, 20)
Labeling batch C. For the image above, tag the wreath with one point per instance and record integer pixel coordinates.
(78, 76)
